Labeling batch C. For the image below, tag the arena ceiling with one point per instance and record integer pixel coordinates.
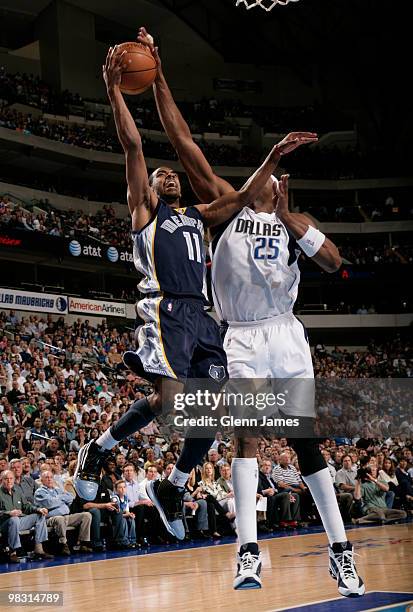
(367, 40)
(300, 33)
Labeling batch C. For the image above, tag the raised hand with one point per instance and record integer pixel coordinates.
(113, 67)
(294, 140)
(280, 198)
(146, 39)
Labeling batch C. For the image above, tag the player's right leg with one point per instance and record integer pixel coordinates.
(92, 456)
(244, 349)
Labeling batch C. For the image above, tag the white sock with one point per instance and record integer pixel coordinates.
(322, 490)
(106, 440)
(178, 478)
(245, 482)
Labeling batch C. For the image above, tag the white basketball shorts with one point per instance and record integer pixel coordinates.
(275, 348)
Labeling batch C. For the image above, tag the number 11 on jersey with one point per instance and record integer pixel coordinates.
(191, 255)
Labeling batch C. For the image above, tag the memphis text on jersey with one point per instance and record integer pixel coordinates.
(231, 421)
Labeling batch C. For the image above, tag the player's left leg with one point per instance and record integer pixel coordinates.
(244, 469)
(207, 372)
(293, 364)
(341, 553)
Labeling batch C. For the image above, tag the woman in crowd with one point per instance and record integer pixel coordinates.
(86, 422)
(388, 475)
(209, 490)
(174, 449)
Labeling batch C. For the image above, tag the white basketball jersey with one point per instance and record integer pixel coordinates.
(254, 273)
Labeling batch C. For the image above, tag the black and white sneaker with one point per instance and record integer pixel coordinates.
(133, 362)
(248, 567)
(86, 478)
(169, 501)
(343, 569)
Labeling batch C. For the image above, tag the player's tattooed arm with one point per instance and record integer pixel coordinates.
(141, 199)
(328, 256)
(205, 183)
(222, 209)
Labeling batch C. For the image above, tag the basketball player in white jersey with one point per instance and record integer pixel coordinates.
(255, 280)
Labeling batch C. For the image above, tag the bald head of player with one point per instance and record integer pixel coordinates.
(165, 183)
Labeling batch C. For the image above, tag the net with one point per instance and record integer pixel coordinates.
(267, 5)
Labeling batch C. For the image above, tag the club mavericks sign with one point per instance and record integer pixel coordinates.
(36, 302)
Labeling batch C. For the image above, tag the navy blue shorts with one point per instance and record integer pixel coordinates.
(179, 340)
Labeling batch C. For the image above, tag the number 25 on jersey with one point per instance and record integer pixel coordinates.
(266, 248)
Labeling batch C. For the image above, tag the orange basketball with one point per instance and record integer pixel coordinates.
(140, 70)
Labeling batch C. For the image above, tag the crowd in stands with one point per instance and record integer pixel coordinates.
(103, 227)
(331, 162)
(368, 254)
(206, 115)
(390, 209)
(31, 90)
(392, 359)
(103, 139)
(61, 386)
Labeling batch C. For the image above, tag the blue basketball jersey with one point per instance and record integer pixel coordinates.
(169, 252)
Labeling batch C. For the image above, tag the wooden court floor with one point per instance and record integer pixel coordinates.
(194, 580)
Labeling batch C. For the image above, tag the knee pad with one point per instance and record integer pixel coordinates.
(309, 455)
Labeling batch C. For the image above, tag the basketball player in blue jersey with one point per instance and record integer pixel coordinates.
(255, 280)
(178, 340)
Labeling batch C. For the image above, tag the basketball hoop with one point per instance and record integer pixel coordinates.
(267, 5)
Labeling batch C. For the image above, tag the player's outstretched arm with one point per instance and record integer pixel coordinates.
(206, 184)
(141, 199)
(222, 209)
(311, 241)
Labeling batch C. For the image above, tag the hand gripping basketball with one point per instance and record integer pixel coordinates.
(112, 69)
(130, 66)
(146, 39)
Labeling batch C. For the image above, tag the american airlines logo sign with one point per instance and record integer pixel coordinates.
(97, 307)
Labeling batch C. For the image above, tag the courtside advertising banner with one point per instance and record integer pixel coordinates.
(97, 307)
(36, 302)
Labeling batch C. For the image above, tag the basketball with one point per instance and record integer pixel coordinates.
(140, 71)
